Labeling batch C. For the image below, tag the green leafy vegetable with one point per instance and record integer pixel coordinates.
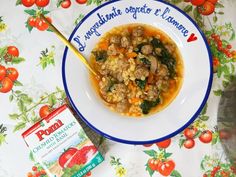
(166, 58)
(146, 106)
(145, 61)
(100, 55)
(112, 82)
(157, 43)
(139, 47)
(141, 83)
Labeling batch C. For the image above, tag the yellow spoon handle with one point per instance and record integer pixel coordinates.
(68, 44)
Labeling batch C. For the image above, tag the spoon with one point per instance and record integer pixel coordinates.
(69, 45)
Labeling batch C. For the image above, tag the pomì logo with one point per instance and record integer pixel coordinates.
(49, 130)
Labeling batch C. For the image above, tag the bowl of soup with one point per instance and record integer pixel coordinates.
(140, 69)
(154, 71)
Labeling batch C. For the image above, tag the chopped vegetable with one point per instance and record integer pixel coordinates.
(170, 63)
(156, 43)
(139, 47)
(141, 83)
(103, 45)
(145, 61)
(100, 55)
(154, 64)
(146, 106)
(111, 84)
(165, 58)
(131, 86)
(132, 55)
(134, 100)
(150, 78)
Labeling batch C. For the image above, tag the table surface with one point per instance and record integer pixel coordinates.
(39, 60)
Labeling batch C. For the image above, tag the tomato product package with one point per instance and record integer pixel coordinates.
(60, 144)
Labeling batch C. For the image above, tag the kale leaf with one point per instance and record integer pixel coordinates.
(100, 55)
(166, 58)
(145, 61)
(146, 105)
(139, 47)
(112, 82)
(156, 43)
(141, 83)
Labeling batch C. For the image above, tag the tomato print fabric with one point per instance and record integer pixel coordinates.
(31, 87)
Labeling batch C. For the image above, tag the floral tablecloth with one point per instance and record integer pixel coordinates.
(31, 58)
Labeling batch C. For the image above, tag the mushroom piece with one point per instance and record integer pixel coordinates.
(154, 63)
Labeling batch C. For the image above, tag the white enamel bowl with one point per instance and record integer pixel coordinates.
(197, 71)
